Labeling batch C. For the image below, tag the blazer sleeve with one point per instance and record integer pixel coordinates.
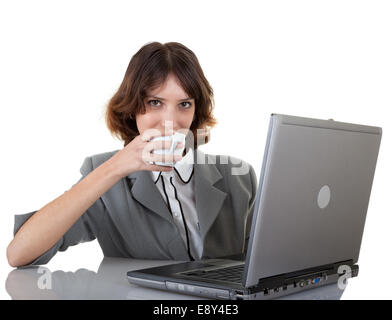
(84, 229)
(253, 180)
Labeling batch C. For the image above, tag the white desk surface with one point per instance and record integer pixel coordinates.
(110, 282)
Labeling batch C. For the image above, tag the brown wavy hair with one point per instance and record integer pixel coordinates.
(147, 70)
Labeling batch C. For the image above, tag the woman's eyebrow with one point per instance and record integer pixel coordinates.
(158, 98)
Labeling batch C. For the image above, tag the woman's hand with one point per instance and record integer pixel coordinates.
(137, 154)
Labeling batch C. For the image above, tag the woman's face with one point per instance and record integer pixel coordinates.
(167, 107)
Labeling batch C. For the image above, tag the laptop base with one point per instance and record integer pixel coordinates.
(268, 288)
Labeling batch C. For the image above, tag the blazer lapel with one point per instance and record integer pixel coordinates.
(209, 199)
(146, 192)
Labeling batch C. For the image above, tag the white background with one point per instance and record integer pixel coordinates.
(62, 61)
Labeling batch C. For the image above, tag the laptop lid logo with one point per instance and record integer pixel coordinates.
(324, 196)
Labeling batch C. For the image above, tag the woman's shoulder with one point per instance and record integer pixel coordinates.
(222, 160)
(93, 161)
(238, 174)
(230, 167)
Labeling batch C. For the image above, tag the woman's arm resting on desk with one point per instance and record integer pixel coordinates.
(46, 226)
(40, 232)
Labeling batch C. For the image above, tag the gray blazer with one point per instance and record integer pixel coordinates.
(132, 220)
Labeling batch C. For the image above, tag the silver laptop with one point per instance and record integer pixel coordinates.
(308, 219)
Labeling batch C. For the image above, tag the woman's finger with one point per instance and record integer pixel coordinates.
(151, 157)
(154, 167)
(149, 134)
(159, 145)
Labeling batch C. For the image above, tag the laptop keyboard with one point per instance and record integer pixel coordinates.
(230, 274)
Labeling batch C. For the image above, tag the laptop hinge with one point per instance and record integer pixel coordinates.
(314, 275)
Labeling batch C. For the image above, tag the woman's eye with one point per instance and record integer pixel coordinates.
(186, 104)
(154, 103)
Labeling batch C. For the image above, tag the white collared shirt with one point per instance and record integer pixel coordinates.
(178, 191)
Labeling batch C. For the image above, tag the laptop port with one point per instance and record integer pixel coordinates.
(266, 292)
(316, 280)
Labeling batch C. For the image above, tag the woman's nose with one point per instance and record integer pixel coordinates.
(169, 117)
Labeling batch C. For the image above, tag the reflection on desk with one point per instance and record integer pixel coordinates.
(110, 282)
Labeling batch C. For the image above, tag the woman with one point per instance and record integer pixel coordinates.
(135, 208)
